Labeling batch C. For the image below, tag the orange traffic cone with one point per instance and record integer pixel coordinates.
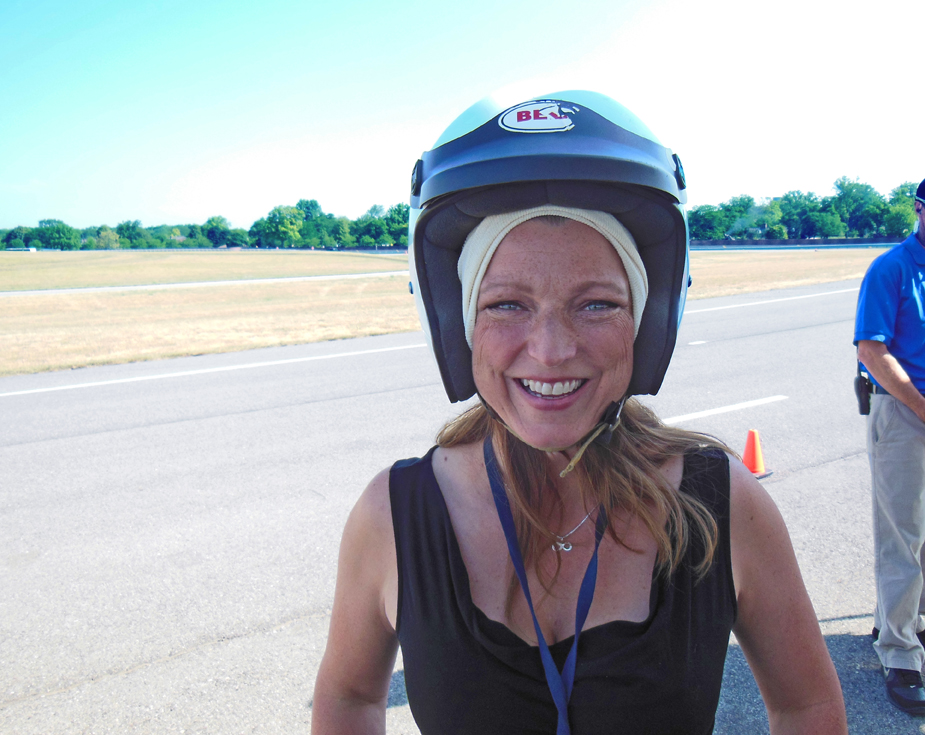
(752, 458)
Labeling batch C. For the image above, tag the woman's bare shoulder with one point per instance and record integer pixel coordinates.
(748, 497)
(456, 466)
(373, 509)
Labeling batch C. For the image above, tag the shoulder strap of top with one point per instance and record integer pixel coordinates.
(420, 523)
(706, 478)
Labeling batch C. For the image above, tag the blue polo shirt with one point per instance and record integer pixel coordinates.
(891, 306)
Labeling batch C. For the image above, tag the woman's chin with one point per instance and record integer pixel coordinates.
(562, 444)
(549, 431)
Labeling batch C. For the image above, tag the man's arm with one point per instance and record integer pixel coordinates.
(891, 375)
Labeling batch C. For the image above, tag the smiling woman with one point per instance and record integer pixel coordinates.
(562, 561)
(553, 338)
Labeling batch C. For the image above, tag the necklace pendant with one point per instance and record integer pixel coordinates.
(562, 546)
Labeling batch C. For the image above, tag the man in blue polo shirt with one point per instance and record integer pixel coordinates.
(890, 336)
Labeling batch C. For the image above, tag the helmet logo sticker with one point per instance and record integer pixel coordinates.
(539, 116)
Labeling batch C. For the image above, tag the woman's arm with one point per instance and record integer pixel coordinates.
(776, 624)
(352, 687)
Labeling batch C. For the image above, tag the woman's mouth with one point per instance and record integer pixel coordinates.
(547, 390)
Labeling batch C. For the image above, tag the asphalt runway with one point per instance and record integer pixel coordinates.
(169, 530)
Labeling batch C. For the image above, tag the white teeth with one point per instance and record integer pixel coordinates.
(551, 389)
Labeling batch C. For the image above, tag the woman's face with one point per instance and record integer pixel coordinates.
(553, 340)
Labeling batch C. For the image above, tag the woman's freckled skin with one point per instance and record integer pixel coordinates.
(554, 306)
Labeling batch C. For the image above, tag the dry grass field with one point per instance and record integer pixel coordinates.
(77, 269)
(727, 272)
(59, 330)
(66, 330)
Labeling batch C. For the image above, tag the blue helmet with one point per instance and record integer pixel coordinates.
(574, 149)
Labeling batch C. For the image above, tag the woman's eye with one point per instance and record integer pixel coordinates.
(504, 306)
(601, 305)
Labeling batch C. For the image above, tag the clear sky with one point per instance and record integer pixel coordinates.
(174, 111)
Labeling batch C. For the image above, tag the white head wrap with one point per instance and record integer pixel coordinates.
(482, 242)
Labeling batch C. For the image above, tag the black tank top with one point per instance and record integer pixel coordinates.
(467, 674)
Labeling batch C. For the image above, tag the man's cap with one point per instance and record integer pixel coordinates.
(920, 192)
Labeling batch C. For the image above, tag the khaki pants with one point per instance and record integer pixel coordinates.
(896, 449)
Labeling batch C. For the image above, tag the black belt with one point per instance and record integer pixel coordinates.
(877, 389)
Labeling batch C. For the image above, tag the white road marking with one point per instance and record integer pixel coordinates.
(723, 409)
(206, 371)
(770, 301)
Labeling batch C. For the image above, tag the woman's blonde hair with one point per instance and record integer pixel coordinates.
(620, 475)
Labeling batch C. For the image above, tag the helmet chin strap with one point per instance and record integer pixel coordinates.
(602, 433)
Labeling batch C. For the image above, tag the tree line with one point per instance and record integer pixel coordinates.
(854, 210)
(305, 226)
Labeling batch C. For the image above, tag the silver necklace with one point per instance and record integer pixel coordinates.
(562, 544)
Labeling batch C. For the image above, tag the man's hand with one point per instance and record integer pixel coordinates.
(891, 375)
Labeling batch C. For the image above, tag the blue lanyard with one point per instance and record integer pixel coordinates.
(560, 685)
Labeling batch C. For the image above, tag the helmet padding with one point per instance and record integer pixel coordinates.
(483, 241)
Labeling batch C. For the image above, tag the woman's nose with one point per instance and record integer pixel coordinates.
(552, 340)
